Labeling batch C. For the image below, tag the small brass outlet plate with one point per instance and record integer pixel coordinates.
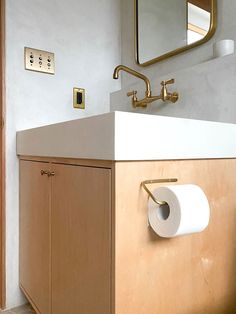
(39, 61)
(78, 98)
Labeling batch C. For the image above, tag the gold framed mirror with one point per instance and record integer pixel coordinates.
(166, 28)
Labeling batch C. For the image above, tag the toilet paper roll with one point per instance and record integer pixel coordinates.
(187, 210)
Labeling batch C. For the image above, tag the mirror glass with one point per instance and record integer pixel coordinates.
(167, 27)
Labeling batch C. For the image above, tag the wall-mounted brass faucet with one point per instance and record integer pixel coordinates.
(164, 95)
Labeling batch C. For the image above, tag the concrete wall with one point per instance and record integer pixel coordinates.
(85, 37)
(206, 86)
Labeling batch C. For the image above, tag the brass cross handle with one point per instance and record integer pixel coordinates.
(133, 93)
(165, 95)
(134, 97)
(164, 83)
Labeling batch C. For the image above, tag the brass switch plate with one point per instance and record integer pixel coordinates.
(39, 61)
(78, 98)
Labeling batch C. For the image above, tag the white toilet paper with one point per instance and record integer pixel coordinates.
(187, 210)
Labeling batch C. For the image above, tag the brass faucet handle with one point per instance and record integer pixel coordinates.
(171, 81)
(133, 93)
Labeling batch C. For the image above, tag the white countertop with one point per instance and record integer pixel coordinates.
(130, 136)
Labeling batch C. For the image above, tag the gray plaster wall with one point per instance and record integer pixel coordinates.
(85, 37)
(207, 86)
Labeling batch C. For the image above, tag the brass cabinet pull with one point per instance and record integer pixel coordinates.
(43, 172)
(48, 173)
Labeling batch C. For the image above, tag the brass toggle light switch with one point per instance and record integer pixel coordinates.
(39, 61)
(79, 98)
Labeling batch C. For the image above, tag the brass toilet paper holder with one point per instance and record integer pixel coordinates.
(144, 185)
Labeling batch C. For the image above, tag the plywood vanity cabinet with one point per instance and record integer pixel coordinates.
(85, 243)
(86, 246)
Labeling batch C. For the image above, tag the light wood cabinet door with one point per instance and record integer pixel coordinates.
(81, 240)
(35, 234)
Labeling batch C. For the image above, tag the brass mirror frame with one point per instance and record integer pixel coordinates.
(211, 32)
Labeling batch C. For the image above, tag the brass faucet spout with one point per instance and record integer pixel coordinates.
(143, 103)
(134, 73)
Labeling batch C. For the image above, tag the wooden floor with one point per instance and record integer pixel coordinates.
(24, 309)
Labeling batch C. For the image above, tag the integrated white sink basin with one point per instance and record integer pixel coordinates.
(130, 136)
